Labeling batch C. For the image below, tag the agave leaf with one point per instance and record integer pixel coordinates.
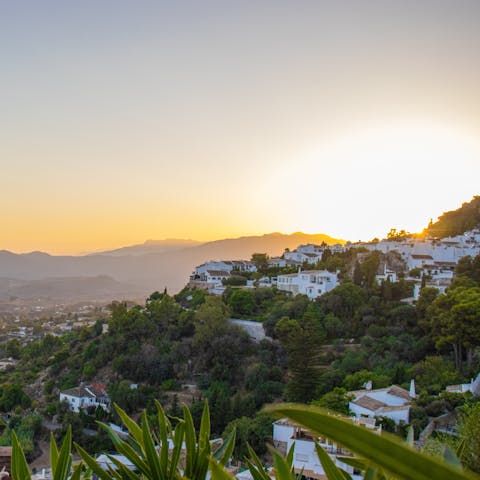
(355, 462)
(204, 434)
(190, 443)
(163, 435)
(123, 472)
(53, 454)
(152, 458)
(92, 464)
(133, 428)
(177, 450)
(331, 470)
(20, 470)
(290, 455)
(64, 458)
(256, 473)
(383, 450)
(223, 454)
(461, 448)
(282, 469)
(218, 472)
(371, 474)
(77, 472)
(256, 461)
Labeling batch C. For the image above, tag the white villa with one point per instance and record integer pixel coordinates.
(392, 402)
(210, 275)
(473, 387)
(286, 433)
(312, 283)
(93, 395)
(309, 253)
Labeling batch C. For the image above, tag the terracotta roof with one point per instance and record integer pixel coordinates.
(369, 403)
(78, 392)
(394, 408)
(399, 392)
(98, 389)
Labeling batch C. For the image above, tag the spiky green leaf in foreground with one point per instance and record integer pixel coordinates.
(20, 470)
(383, 450)
(331, 470)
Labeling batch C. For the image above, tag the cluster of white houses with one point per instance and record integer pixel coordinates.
(434, 258)
(313, 283)
(433, 262)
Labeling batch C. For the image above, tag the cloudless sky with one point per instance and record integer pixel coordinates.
(127, 120)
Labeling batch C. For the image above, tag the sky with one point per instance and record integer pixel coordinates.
(122, 121)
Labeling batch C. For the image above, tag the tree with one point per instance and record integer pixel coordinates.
(336, 400)
(455, 321)
(260, 260)
(218, 346)
(301, 340)
(469, 429)
(242, 302)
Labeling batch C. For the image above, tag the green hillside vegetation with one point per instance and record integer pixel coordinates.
(457, 221)
(319, 351)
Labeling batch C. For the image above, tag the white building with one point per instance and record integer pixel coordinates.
(309, 253)
(86, 396)
(210, 275)
(473, 387)
(312, 283)
(282, 262)
(391, 402)
(387, 274)
(287, 433)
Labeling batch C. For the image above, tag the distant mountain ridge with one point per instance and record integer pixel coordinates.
(152, 270)
(151, 246)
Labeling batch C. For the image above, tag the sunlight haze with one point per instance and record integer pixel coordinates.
(125, 121)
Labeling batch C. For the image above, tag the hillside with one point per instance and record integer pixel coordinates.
(148, 271)
(457, 221)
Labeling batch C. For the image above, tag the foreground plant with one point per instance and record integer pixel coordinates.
(60, 461)
(176, 454)
(381, 456)
(172, 454)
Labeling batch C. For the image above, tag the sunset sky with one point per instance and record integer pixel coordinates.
(122, 121)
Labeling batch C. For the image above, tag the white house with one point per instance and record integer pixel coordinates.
(93, 395)
(287, 433)
(391, 402)
(387, 274)
(209, 279)
(473, 387)
(309, 253)
(312, 283)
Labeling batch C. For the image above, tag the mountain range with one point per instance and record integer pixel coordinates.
(131, 271)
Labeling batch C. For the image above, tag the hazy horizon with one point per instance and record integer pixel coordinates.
(123, 121)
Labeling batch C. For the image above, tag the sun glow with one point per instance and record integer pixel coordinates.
(360, 185)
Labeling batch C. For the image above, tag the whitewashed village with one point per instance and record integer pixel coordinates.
(424, 263)
(347, 327)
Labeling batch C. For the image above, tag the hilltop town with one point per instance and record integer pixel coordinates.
(386, 332)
